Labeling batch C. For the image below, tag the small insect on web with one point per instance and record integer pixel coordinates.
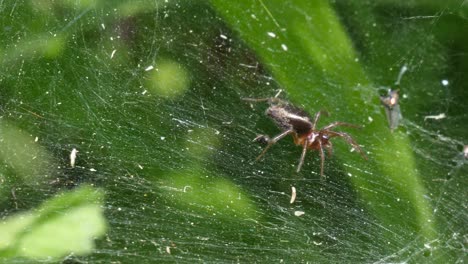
(297, 122)
(391, 102)
(392, 108)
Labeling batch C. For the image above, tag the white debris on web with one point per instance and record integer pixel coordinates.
(299, 213)
(403, 69)
(73, 157)
(436, 117)
(271, 34)
(293, 195)
(278, 93)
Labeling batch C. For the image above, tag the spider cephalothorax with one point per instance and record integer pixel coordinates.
(297, 122)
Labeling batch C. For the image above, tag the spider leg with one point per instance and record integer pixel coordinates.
(317, 116)
(349, 140)
(304, 150)
(273, 141)
(335, 124)
(322, 158)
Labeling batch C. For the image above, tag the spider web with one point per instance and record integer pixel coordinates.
(177, 164)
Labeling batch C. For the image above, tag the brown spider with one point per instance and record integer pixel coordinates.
(295, 121)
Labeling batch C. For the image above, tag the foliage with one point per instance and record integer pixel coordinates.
(66, 224)
(150, 94)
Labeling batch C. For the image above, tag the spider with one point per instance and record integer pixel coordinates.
(297, 122)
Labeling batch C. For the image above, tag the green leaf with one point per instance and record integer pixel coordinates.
(308, 51)
(66, 224)
(20, 152)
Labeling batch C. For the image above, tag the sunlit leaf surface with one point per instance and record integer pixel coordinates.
(64, 225)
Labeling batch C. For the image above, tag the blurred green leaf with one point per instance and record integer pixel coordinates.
(20, 152)
(66, 224)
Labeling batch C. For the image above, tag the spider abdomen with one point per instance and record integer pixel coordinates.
(286, 118)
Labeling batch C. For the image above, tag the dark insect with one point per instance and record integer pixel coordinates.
(296, 122)
(392, 108)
